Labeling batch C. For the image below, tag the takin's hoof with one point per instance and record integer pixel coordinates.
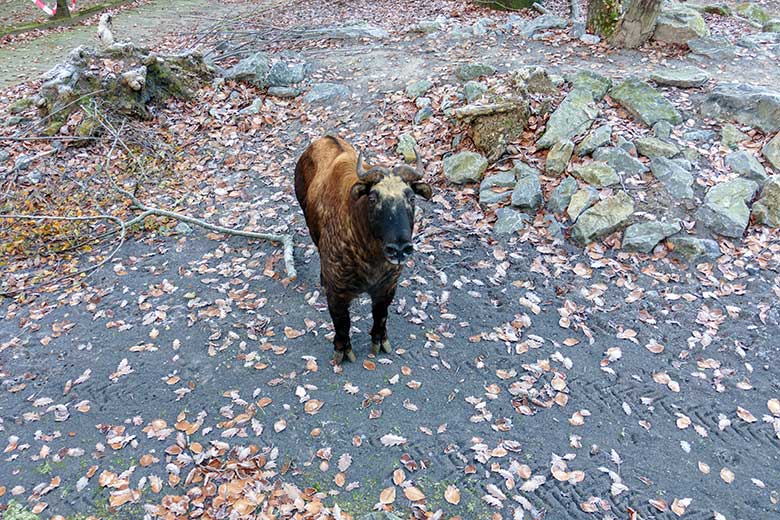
(338, 356)
(385, 346)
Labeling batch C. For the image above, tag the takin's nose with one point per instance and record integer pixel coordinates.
(398, 252)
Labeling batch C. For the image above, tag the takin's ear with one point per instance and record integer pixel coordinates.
(422, 189)
(359, 189)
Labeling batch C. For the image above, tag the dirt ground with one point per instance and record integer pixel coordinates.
(190, 328)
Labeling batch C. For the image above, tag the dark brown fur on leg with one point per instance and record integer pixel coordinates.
(379, 304)
(339, 313)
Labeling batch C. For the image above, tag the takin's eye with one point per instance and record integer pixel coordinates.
(373, 197)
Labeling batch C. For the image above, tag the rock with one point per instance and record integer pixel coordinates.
(684, 77)
(716, 48)
(464, 167)
(730, 136)
(473, 90)
(561, 195)
(494, 123)
(527, 194)
(590, 39)
(23, 162)
(558, 157)
(652, 147)
(753, 12)
(284, 92)
(536, 80)
(350, 32)
(20, 105)
(418, 88)
(253, 69)
(700, 136)
(677, 181)
(426, 26)
(645, 103)
(677, 24)
(756, 40)
(406, 145)
(470, 71)
(725, 209)
(772, 26)
(543, 23)
(626, 145)
(747, 104)
(692, 248)
(554, 227)
(254, 108)
(597, 138)
(603, 218)
(644, 236)
(487, 193)
(767, 209)
(771, 151)
(620, 160)
(422, 102)
(580, 201)
(746, 165)
(597, 174)
(593, 83)
(662, 130)
(285, 74)
(4, 155)
(324, 92)
(183, 228)
(509, 221)
(423, 114)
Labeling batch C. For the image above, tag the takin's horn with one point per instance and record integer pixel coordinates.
(420, 168)
(359, 169)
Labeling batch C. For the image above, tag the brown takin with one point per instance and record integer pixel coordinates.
(360, 218)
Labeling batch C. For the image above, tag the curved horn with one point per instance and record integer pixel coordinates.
(359, 170)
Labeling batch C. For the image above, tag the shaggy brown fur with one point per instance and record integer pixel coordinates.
(336, 205)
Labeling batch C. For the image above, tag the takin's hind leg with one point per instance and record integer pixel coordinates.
(379, 305)
(339, 313)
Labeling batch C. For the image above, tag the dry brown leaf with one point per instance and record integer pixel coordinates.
(452, 495)
(413, 494)
(727, 475)
(387, 496)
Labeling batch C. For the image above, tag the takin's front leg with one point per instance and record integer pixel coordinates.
(379, 304)
(339, 312)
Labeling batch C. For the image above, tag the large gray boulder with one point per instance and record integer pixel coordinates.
(693, 248)
(599, 175)
(725, 209)
(464, 167)
(561, 195)
(747, 104)
(771, 151)
(767, 208)
(603, 218)
(713, 47)
(580, 201)
(350, 32)
(284, 74)
(677, 24)
(543, 23)
(494, 189)
(527, 194)
(645, 103)
(509, 221)
(471, 71)
(642, 237)
(577, 111)
(683, 77)
(558, 157)
(677, 180)
(253, 69)
(652, 147)
(746, 164)
(596, 138)
(620, 160)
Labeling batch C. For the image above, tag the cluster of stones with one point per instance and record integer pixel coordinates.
(589, 165)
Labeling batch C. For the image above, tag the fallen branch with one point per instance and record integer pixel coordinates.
(285, 240)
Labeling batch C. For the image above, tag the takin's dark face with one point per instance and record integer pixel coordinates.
(391, 196)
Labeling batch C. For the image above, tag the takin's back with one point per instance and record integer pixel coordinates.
(324, 175)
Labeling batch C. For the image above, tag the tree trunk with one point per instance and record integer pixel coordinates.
(63, 11)
(603, 17)
(637, 24)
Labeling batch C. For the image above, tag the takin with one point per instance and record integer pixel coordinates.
(360, 218)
